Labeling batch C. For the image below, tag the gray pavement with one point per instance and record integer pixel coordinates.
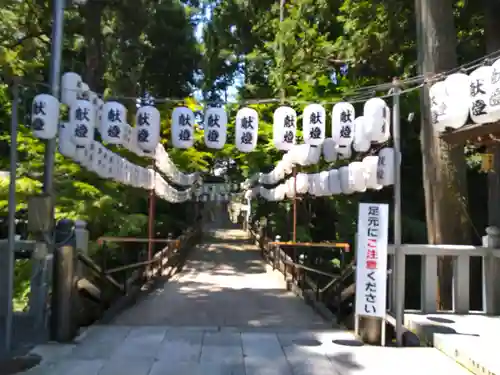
(228, 313)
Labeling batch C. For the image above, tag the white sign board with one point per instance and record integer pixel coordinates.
(371, 260)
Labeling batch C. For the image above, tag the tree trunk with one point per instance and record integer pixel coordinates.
(492, 34)
(444, 167)
(94, 63)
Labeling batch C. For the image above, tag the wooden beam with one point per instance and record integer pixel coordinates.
(474, 133)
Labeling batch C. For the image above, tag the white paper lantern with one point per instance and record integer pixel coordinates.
(343, 115)
(81, 155)
(71, 84)
(215, 128)
(82, 118)
(440, 113)
(370, 164)
(457, 87)
(113, 120)
(357, 176)
(495, 90)
(313, 184)
(45, 116)
(300, 154)
(147, 120)
(302, 183)
(385, 171)
(313, 155)
(247, 127)
(284, 128)
(362, 137)
(313, 124)
(377, 119)
(329, 150)
(481, 90)
(346, 182)
(323, 182)
(182, 127)
(84, 93)
(334, 182)
(344, 152)
(66, 145)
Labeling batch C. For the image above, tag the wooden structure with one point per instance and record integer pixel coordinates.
(475, 134)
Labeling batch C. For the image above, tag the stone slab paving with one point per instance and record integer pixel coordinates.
(228, 314)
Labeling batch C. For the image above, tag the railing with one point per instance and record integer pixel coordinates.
(314, 269)
(338, 292)
(84, 287)
(490, 278)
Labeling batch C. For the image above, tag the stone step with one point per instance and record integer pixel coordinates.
(479, 355)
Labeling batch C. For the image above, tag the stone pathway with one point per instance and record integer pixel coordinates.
(228, 313)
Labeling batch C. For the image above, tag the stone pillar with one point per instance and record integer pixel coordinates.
(491, 271)
(81, 243)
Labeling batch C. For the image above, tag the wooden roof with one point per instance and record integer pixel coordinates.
(476, 134)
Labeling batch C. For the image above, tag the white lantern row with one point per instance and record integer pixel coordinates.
(373, 172)
(168, 167)
(89, 113)
(461, 96)
(96, 158)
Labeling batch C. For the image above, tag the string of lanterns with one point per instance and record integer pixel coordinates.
(87, 114)
(460, 97)
(453, 100)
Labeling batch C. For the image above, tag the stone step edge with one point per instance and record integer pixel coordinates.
(442, 343)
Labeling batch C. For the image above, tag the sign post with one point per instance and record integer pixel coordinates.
(371, 264)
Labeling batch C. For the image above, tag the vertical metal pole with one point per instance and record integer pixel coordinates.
(50, 147)
(399, 263)
(294, 233)
(282, 53)
(12, 214)
(151, 228)
(55, 77)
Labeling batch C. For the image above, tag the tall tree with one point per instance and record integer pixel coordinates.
(444, 167)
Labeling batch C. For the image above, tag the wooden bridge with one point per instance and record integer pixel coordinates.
(220, 300)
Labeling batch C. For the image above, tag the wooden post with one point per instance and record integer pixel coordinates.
(65, 258)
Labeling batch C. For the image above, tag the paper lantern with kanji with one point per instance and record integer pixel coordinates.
(458, 91)
(45, 116)
(362, 137)
(329, 150)
(71, 84)
(495, 90)
(66, 145)
(147, 122)
(182, 128)
(343, 115)
(377, 117)
(313, 124)
(385, 170)
(247, 127)
(82, 118)
(284, 128)
(481, 90)
(215, 128)
(113, 120)
(334, 182)
(440, 111)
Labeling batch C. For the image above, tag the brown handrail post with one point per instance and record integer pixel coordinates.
(151, 229)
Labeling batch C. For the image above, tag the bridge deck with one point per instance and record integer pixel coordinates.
(227, 313)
